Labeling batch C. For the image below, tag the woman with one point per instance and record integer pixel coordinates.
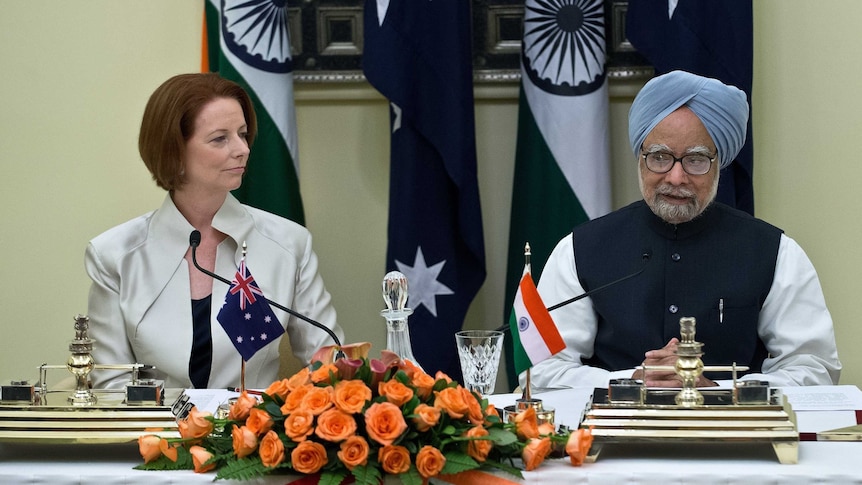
(148, 304)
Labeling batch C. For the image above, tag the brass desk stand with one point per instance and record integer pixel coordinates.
(750, 412)
(35, 414)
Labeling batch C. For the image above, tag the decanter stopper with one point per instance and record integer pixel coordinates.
(396, 313)
(395, 291)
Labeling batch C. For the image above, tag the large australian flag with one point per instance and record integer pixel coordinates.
(712, 38)
(246, 316)
(418, 55)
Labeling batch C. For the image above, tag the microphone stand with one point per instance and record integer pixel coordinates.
(594, 290)
(646, 256)
(194, 244)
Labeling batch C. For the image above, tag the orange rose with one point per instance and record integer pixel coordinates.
(579, 445)
(308, 457)
(478, 449)
(395, 392)
(200, 457)
(196, 425)
(426, 417)
(526, 425)
(300, 379)
(411, 369)
(395, 459)
(278, 388)
(354, 452)
(299, 425)
(424, 384)
(384, 422)
(535, 452)
(271, 450)
(294, 400)
(259, 421)
(441, 375)
(317, 400)
(324, 373)
(546, 429)
(242, 406)
(148, 445)
(452, 401)
(244, 441)
(474, 407)
(335, 425)
(491, 411)
(168, 450)
(429, 461)
(351, 396)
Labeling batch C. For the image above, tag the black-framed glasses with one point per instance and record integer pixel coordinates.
(693, 164)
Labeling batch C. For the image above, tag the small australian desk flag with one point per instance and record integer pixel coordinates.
(246, 315)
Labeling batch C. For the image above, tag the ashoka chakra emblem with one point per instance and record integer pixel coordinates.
(564, 49)
(256, 32)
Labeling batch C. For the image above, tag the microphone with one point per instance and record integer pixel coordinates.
(195, 241)
(585, 294)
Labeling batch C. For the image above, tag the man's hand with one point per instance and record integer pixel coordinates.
(665, 356)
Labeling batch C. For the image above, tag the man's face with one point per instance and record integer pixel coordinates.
(676, 196)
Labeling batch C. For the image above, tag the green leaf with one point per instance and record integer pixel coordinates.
(457, 461)
(366, 475)
(401, 377)
(439, 385)
(242, 469)
(272, 408)
(411, 476)
(502, 437)
(505, 467)
(332, 477)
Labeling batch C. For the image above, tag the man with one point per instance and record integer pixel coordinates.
(753, 291)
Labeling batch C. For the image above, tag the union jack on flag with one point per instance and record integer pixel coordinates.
(244, 284)
(248, 320)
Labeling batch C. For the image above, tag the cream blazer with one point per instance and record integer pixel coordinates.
(140, 297)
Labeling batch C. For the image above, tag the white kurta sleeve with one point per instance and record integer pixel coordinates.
(796, 326)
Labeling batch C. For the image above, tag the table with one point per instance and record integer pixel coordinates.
(819, 461)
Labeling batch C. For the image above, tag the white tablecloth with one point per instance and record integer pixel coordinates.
(819, 461)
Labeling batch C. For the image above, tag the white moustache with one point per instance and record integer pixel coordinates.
(675, 192)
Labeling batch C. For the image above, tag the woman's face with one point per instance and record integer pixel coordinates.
(217, 152)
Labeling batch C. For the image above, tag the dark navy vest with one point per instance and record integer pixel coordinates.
(723, 255)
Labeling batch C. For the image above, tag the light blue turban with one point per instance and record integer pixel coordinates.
(722, 109)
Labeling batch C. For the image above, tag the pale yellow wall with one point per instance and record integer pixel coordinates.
(75, 77)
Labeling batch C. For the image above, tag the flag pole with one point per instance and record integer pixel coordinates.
(527, 396)
(242, 367)
(527, 401)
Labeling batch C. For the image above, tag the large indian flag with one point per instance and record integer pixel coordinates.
(247, 41)
(562, 170)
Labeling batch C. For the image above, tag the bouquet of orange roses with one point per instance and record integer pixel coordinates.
(361, 417)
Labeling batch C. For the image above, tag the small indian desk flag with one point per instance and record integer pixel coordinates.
(246, 315)
(534, 335)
